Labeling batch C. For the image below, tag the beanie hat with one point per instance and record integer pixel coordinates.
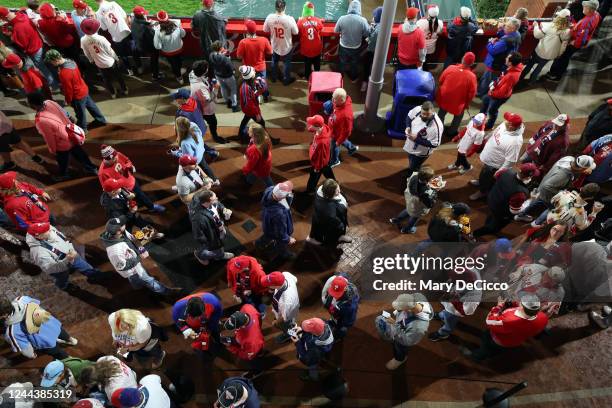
(139, 11)
(52, 55)
(412, 13)
(282, 190)
(126, 398)
(208, 3)
(162, 16)
(468, 59)
(4, 12)
(38, 228)
(108, 152)
(247, 72)
(465, 12)
(79, 4)
(90, 26)
(433, 10)
(315, 326)
(236, 321)
(479, 119)
(46, 11)
(111, 184)
(11, 61)
(528, 170)
(308, 9)
(377, 14)
(187, 160)
(114, 225)
(337, 287)
(316, 121)
(250, 26)
(7, 180)
(272, 279)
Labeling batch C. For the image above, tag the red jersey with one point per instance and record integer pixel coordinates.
(309, 31)
(253, 51)
(249, 338)
(240, 281)
(26, 207)
(408, 46)
(509, 329)
(121, 170)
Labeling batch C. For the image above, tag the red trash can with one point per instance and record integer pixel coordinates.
(321, 86)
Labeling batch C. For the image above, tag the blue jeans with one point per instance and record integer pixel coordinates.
(228, 89)
(450, 322)
(491, 106)
(335, 153)
(399, 351)
(415, 162)
(251, 179)
(483, 85)
(286, 61)
(412, 221)
(80, 265)
(535, 204)
(145, 280)
(263, 74)
(39, 62)
(349, 61)
(81, 106)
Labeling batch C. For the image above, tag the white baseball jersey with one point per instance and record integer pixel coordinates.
(281, 27)
(112, 18)
(98, 50)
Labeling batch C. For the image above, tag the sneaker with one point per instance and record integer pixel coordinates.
(220, 140)
(474, 183)
(334, 164)
(266, 98)
(452, 167)
(216, 183)
(227, 256)
(364, 86)
(214, 154)
(345, 239)
(523, 218)
(202, 261)
(37, 159)
(598, 319)
(464, 170)
(10, 165)
(411, 230)
(312, 241)
(394, 364)
(158, 363)
(353, 151)
(157, 208)
(125, 92)
(236, 108)
(130, 72)
(70, 342)
(159, 235)
(476, 196)
(436, 336)
(394, 221)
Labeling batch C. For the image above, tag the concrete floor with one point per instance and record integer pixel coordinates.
(570, 368)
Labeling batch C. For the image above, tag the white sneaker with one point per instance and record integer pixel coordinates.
(174, 188)
(130, 72)
(312, 241)
(72, 341)
(158, 235)
(475, 183)
(393, 364)
(345, 239)
(607, 310)
(452, 167)
(227, 256)
(217, 182)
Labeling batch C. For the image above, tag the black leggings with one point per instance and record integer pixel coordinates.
(212, 124)
(176, 62)
(243, 124)
(462, 161)
(63, 159)
(315, 176)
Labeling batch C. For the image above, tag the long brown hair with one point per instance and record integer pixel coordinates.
(260, 139)
(544, 232)
(167, 27)
(183, 130)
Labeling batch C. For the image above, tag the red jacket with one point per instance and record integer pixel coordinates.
(51, 123)
(341, 121)
(509, 330)
(121, 170)
(409, 45)
(25, 35)
(22, 210)
(502, 88)
(73, 86)
(58, 31)
(249, 338)
(248, 99)
(456, 89)
(31, 77)
(256, 164)
(236, 277)
(320, 149)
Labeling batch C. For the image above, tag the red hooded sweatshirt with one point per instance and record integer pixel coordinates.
(248, 99)
(246, 280)
(58, 31)
(341, 121)
(502, 88)
(456, 89)
(320, 149)
(31, 77)
(121, 170)
(249, 338)
(73, 86)
(24, 34)
(510, 330)
(23, 210)
(256, 164)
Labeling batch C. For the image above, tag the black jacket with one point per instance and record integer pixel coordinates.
(142, 33)
(119, 207)
(439, 231)
(221, 64)
(599, 123)
(211, 27)
(203, 226)
(329, 220)
(460, 35)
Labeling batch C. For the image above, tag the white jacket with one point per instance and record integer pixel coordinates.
(46, 259)
(289, 302)
(98, 50)
(201, 90)
(169, 43)
(552, 41)
(121, 256)
(472, 135)
(433, 132)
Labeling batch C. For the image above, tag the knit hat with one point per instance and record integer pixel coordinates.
(308, 9)
(531, 302)
(465, 12)
(53, 370)
(561, 120)
(433, 10)
(316, 121)
(11, 61)
(108, 152)
(282, 190)
(592, 4)
(37, 229)
(231, 395)
(90, 26)
(208, 3)
(503, 248)
(412, 13)
(272, 279)
(528, 170)
(46, 11)
(377, 14)
(247, 72)
(479, 119)
(162, 16)
(126, 398)
(585, 162)
(4, 12)
(182, 93)
(79, 4)
(114, 225)
(469, 58)
(7, 180)
(139, 11)
(514, 118)
(52, 55)
(236, 321)
(187, 160)
(315, 326)
(337, 287)
(250, 26)
(111, 184)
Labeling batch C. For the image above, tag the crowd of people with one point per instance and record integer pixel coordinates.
(554, 185)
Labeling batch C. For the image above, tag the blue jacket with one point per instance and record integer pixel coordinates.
(498, 51)
(211, 315)
(253, 399)
(192, 110)
(191, 147)
(311, 349)
(276, 220)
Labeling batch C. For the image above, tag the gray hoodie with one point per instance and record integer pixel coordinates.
(408, 328)
(50, 262)
(352, 27)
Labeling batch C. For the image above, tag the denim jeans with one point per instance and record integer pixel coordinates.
(39, 62)
(539, 63)
(143, 279)
(63, 160)
(141, 197)
(412, 221)
(82, 106)
(286, 61)
(491, 106)
(335, 153)
(349, 61)
(415, 162)
(228, 89)
(251, 179)
(399, 351)
(450, 322)
(534, 206)
(483, 85)
(80, 265)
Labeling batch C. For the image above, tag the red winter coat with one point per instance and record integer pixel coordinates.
(51, 123)
(22, 210)
(32, 79)
(120, 170)
(456, 89)
(249, 338)
(73, 86)
(504, 84)
(341, 121)
(248, 99)
(58, 31)
(509, 330)
(256, 164)
(255, 274)
(25, 35)
(320, 149)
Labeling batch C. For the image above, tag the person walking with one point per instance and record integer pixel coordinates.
(237, 392)
(311, 44)
(423, 134)
(190, 178)
(456, 89)
(341, 125)
(143, 33)
(548, 144)
(411, 48)
(420, 197)
(470, 140)
(204, 92)
(330, 217)
(208, 25)
(207, 222)
(277, 223)
(10, 139)
(31, 78)
(168, 39)
(500, 90)
(352, 28)
(282, 28)
(341, 298)
(460, 33)
(247, 341)
(224, 71)
(285, 302)
(319, 152)
(244, 278)
(23, 203)
(314, 340)
(258, 156)
(58, 31)
(250, 90)
(190, 141)
(119, 202)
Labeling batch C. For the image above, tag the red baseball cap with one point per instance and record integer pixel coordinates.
(207, 3)
(609, 101)
(38, 228)
(272, 279)
(139, 11)
(528, 170)
(469, 58)
(337, 287)
(7, 180)
(90, 26)
(250, 26)
(187, 160)
(11, 61)
(412, 13)
(4, 12)
(316, 120)
(315, 326)
(514, 118)
(46, 11)
(111, 185)
(162, 16)
(238, 263)
(79, 4)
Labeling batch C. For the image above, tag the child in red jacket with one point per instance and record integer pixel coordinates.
(244, 274)
(500, 90)
(23, 203)
(248, 341)
(250, 90)
(258, 156)
(319, 153)
(33, 80)
(75, 90)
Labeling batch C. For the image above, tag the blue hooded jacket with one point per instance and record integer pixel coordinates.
(212, 322)
(498, 50)
(276, 219)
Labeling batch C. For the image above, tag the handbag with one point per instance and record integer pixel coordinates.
(75, 133)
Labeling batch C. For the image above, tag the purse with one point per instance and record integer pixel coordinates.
(75, 133)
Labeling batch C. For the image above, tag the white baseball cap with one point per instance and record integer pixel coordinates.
(560, 120)
(585, 162)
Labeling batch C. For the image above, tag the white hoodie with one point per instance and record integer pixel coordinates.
(289, 302)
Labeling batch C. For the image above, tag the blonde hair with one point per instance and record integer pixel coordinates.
(261, 139)
(446, 214)
(561, 23)
(128, 317)
(183, 130)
